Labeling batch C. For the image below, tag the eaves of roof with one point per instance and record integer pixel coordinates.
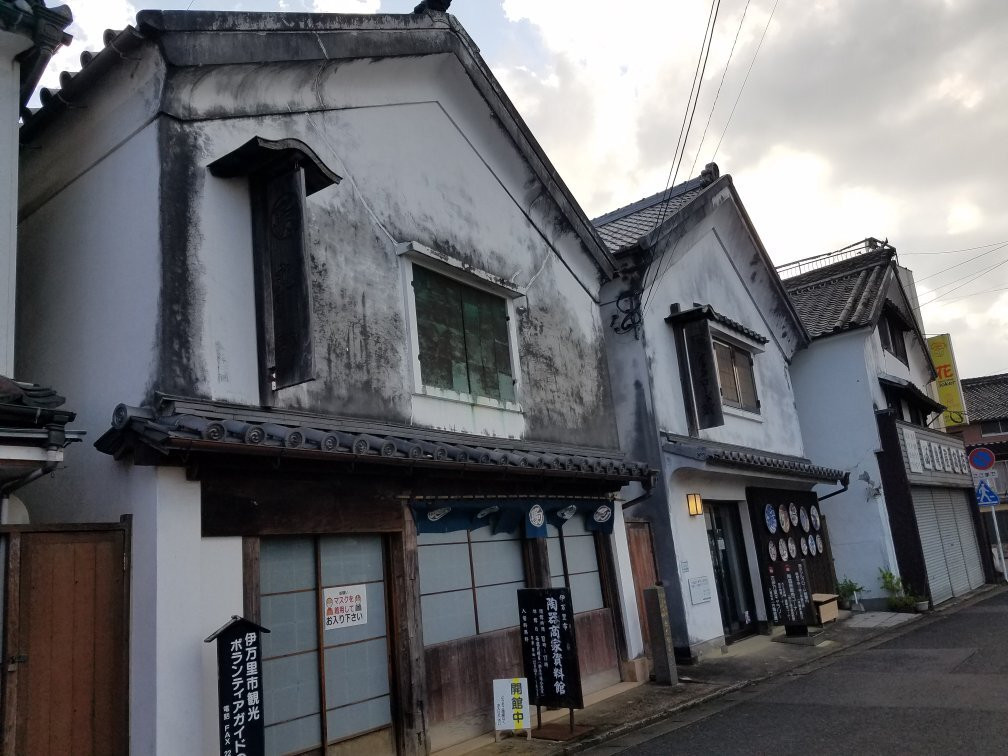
(186, 427)
(709, 313)
(728, 455)
(197, 38)
(911, 392)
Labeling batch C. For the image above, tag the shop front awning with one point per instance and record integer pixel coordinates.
(507, 514)
(180, 427)
(719, 454)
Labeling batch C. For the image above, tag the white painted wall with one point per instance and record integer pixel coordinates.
(90, 287)
(709, 267)
(683, 476)
(422, 160)
(837, 390)
(10, 105)
(714, 263)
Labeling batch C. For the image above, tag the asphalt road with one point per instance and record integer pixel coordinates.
(939, 688)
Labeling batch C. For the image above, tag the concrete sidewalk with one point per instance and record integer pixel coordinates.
(628, 707)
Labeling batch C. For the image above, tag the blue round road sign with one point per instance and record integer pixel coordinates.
(981, 458)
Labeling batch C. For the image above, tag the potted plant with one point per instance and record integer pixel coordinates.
(848, 591)
(900, 599)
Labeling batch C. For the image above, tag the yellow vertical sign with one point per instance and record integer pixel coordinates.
(949, 390)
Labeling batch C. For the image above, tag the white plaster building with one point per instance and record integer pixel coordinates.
(700, 348)
(329, 292)
(864, 390)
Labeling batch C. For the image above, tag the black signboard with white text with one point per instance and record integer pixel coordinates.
(549, 648)
(239, 688)
(789, 593)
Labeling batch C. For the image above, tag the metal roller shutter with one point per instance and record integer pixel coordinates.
(951, 543)
(967, 537)
(934, 554)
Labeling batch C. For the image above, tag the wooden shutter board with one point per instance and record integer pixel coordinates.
(703, 374)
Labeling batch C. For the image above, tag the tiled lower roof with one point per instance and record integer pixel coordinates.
(624, 226)
(986, 397)
(218, 428)
(729, 455)
(841, 296)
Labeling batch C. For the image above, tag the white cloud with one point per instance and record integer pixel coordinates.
(346, 6)
(959, 89)
(823, 214)
(963, 216)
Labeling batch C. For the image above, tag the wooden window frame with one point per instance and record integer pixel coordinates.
(734, 351)
(893, 338)
(1002, 427)
(475, 280)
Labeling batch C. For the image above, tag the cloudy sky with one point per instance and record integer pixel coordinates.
(859, 118)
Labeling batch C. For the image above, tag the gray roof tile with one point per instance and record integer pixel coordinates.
(622, 227)
(843, 295)
(986, 397)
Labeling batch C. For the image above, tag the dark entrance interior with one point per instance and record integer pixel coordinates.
(731, 569)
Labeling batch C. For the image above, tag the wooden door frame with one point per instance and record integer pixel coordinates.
(12, 625)
(407, 681)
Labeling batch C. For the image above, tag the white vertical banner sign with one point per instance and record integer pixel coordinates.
(511, 706)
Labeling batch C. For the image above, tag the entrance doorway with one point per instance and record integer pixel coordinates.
(65, 645)
(644, 570)
(731, 569)
(326, 663)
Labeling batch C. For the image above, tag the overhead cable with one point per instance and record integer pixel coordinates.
(746, 79)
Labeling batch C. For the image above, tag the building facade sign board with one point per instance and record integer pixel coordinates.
(949, 389)
(549, 647)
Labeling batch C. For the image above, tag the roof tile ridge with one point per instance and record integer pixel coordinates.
(852, 301)
(866, 301)
(647, 202)
(834, 277)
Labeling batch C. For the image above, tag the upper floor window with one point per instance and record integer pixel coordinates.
(463, 337)
(716, 365)
(994, 427)
(735, 376)
(891, 332)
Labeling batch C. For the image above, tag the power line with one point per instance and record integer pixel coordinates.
(720, 84)
(684, 130)
(964, 262)
(694, 89)
(746, 79)
(974, 294)
(967, 283)
(954, 251)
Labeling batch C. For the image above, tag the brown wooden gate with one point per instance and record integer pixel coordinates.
(644, 569)
(65, 650)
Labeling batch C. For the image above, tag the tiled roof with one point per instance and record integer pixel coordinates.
(986, 397)
(841, 296)
(191, 426)
(729, 455)
(706, 311)
(622, 227)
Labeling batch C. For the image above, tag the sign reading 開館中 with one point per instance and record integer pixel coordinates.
(511, 704)
(549, 648)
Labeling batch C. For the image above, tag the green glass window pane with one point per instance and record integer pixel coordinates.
(439, 331)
